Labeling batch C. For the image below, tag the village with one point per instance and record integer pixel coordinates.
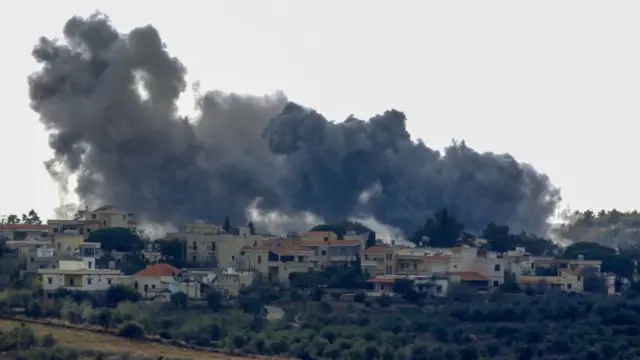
(230, 261)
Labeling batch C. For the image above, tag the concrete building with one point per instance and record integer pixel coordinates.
(17, 232)
(78, 274)
(207, 245)
(277, 264)
(567, 280)
(436, 285)
(67, 242)
(87, 221)
(159, 281)
(464, 264)
(152, 281)
(230, 281)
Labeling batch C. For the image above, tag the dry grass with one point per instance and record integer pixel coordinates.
(80, 339)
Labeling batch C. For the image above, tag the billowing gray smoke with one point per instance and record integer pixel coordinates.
(132, 149)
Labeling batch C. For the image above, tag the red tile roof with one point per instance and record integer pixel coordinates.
(382, 280)
(377, 249)
(470, 276)
(158, 270)
(330, 243)
(23, 227)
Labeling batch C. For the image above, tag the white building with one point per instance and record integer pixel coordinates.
(435, 285)
(159, 281)
(78, 274)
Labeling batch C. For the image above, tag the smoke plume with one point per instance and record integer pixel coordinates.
(131, 148)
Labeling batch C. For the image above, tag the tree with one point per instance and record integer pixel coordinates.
(105, 318)
(119, 293)
(179, 300)
(118, 239)
(131, 330)
(214, 300)
(13, 219)
(227, 225)
(498, 237)
(173, 251)
(31, 218)
(343, 227)
(132, 262)
(619, 264)
(441, 230)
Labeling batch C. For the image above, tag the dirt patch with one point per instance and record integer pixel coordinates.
(82, 339)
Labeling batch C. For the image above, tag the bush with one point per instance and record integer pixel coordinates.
(48, 340)
(359, 297)
(131, 330)
(119, 293)
(384, 301)
(179, 300)
(34, 309)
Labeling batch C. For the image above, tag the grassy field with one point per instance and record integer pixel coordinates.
(80, 339)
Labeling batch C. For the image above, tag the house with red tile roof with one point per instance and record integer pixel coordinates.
(159, 281)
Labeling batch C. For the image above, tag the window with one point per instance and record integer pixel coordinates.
(71, 282)
(135, 285)
(146, 287)
(323, 252)
(194, 246)
(49, 295)
(90, 264)
(415, 266)
(55, 230)
(153, 286)
(439, 289)
(496, 267)
(94, 216)
(104, 222)
(496, 283)
(213, 246)
(194, 260)
(568, 286)
(88, 281)
(259, 259)
(49, 281)
(109, 281)
(233, 257)
(579, 278)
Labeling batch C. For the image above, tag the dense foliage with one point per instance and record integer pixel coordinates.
(444, 230)
(326, 323)
(341, 228)
(611, 228)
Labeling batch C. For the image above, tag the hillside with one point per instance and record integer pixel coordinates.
(84, 339)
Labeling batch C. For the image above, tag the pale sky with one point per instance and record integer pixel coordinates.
(554, 83)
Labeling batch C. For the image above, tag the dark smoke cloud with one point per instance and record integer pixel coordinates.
(133, 149)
